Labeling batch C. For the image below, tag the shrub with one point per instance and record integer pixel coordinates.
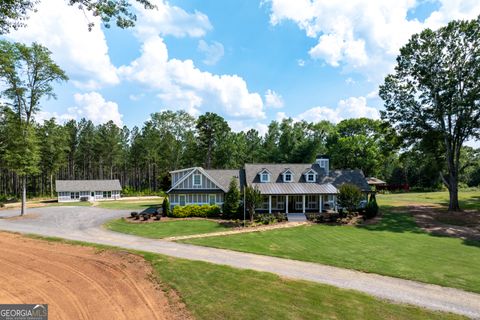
(166, 207)
(195, 210)
(280, 216)
(349, 197)
(265, 218)
(232, 201)
(371, 210)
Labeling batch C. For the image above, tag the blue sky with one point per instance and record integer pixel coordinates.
(250, 61)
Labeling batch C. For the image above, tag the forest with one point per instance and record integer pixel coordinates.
(141, 157)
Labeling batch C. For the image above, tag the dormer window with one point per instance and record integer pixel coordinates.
(287, 175)
(310, 177)
(264, 176)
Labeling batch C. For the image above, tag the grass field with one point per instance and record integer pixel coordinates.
(220, 292)
(163, 229)
(395, 247)
(130, 204)
(468, 199)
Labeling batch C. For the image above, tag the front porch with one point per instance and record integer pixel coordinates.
(298, 203)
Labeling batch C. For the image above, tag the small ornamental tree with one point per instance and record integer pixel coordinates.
(371, 210)
(253, 198)
(166, 207)
(232, 200)
(349, 197)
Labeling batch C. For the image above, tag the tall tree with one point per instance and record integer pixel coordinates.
(436, 88)
(28, 74)
(53, 149)
(212, 130)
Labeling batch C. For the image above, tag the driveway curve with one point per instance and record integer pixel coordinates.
(85, 224)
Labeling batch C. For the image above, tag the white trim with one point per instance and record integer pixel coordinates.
(284, 174)
(189, 174)
(193, 180)
(266, 172)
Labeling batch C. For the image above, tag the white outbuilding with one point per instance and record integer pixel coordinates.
(87, 190)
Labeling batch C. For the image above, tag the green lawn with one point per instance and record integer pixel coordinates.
(212, 292)
(468, 199)
(395, 247)
(163, 229)
(130, 205)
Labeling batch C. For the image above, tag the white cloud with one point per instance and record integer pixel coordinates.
(364, 35)
(280, 116)
(41, 116)
(181, 85)
(213, 52)
(301, 62)
(353, 107)
(350, 81)
(239, 125)
(169, 20)
(273, 99)
(63, 29)
(94, 107)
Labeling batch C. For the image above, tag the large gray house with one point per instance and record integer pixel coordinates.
(87, 190)
(285, 187)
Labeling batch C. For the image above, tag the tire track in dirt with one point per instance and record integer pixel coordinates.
(80, 282)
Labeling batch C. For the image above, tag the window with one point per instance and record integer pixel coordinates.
(197, 180)
(265, 177)
(310, 177)
(181, 199)
(288, 177)
(212, 199)
(312, 202)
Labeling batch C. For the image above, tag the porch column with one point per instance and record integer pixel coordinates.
(320, 197)
(270, 204)
(335, 202)
(286, 203)
(303, 203)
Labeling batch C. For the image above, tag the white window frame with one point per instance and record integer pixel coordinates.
(263, 175)
(312, 175)
(210, 199)
(287, 174)
(200, 179)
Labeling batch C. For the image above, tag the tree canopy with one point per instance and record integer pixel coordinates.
(435, 92)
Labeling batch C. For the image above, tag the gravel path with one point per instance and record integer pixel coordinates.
(84, 224)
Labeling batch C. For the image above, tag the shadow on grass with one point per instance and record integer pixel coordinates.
(472, 203)
(394, 221)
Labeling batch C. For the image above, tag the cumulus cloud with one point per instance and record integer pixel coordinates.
(353, 107)
(364, 35)
(63, 29)
(213, 52)
(273, 99)
(93, 106)
(180, 84)
(171, 20)
(239, 125)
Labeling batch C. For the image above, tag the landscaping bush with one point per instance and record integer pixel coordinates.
(349, 196)
(371, 210)
(265, 218)
(166, 210)
(194, 210)
(232, 201)
(280, 216)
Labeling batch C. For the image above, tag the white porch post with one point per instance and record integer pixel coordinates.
(320, 196)
(286, 203)
(270, 204)
(303, 203)
(335, 202)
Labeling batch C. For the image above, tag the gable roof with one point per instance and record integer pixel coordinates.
(276, 170)
(221, 178)
(339, 177)
(87, 185)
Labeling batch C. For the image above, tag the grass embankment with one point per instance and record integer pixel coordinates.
(219, 292)
(394, 247)
(163, 229)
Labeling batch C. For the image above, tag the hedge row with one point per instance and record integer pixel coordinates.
(195, 210)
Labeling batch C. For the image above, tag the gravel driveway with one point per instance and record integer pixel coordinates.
(84, 224)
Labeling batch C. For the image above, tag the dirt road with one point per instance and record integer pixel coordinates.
(80, 282)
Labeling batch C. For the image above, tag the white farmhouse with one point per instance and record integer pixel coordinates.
(87, 190)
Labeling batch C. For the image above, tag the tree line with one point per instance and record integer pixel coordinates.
(141, 157)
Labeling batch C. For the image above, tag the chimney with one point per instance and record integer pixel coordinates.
(324, 162)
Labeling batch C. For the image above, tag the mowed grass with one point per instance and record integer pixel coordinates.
(467, 199)
(130, 204)
(163, 229)
(394, 247)
(213, 292)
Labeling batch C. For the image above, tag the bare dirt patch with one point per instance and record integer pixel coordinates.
(465, 225)
(81, 282)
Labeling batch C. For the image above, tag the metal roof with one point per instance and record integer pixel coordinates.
(295, 188)
(87, 185)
